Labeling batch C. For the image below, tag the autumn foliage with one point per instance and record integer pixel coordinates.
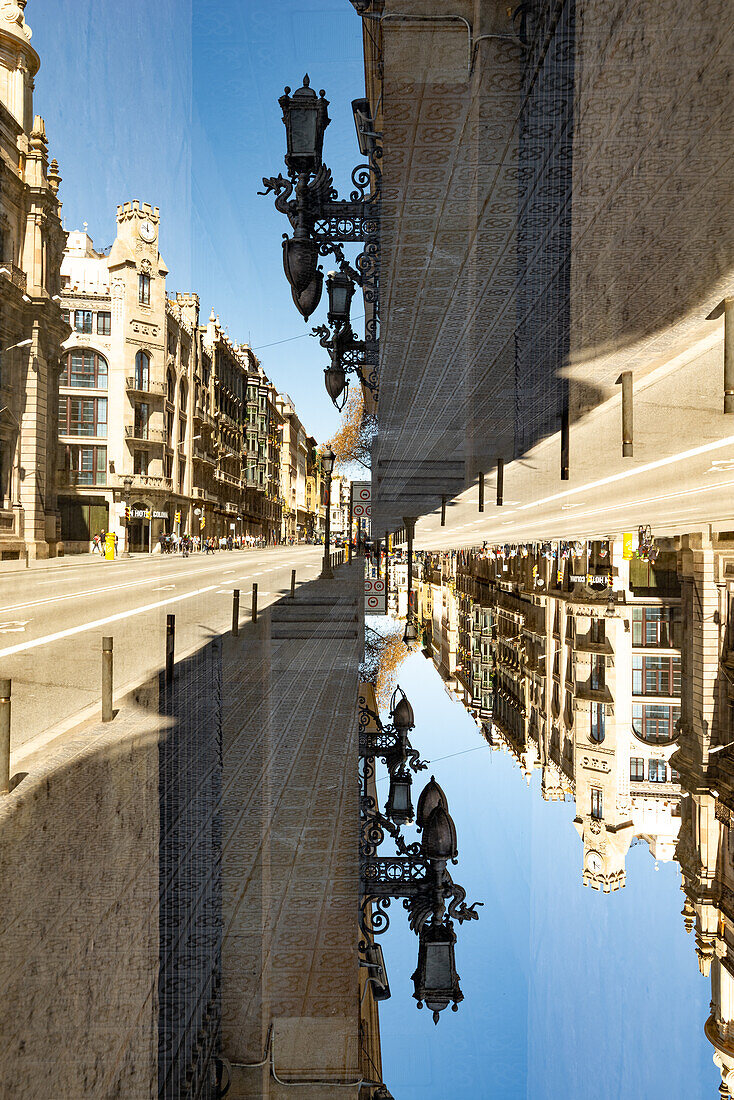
(353, 441)
(383, 656)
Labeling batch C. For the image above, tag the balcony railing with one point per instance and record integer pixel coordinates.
(222, 475)
(16, 275)
(143, 434)
(147, 481)
(141, 385)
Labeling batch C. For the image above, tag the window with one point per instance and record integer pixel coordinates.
(652, 626)
(171, 387)
(140, 462)
(142, 412)
(83, 320)
(85, 369)
(66, 316)
(86, 465)
(144, 289)
(637, 767)
(598, 678)
(674, 776)
(82, 416)
(104, 324)
(597, 722)
(597, 805)
(596, 632)
(657, 771)
(655, 675)
(142, 370)
(654, 722)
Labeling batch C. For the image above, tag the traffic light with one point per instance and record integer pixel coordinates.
(202, 523)
(178, 517)
(127, 511)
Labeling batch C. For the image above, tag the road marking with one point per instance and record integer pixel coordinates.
(72, 630)
(163, 588)
(15, 626)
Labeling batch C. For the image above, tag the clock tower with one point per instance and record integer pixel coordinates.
(137, 227)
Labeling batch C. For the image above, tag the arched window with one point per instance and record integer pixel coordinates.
(171, 384)
(142, 370)
(85, 369)
(182, 396)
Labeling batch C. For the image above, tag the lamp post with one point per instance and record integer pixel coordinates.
(419, 875)
(327, 465)
(321, 222)
(410, 634)
(127, 482)
(391, 744)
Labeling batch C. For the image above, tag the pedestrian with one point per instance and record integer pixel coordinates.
(116, 542)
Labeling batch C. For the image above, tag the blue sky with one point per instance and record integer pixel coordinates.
(568, 993)
(176, 104)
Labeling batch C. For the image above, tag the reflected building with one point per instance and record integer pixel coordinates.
(614, 676)
(568, 655)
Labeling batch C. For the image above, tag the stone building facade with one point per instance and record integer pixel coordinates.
(158, 413)
(128, 386)
(31, 326)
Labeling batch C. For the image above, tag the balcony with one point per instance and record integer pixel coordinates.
(201, 455)
(204, 416)
(151, 389)
(141, 433)
(228, 479)
(143, 482)
(594, 691)
(15, 274)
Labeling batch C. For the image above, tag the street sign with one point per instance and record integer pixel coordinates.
(375, 596)
(362, 498)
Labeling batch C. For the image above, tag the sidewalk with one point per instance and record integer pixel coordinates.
(290, 852)
(183, 880)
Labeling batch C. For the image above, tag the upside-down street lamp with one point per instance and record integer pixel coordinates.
(419, 875)
(391, 744)
(410, 634)
(340, 290)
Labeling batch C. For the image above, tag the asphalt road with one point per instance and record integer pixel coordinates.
(52, 621)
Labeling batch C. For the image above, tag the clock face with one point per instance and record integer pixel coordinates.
(147, 230)
(594, 862)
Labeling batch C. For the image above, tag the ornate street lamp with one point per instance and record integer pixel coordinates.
(392, 745)
(305, 117)
(436, 982)
(419, 873)
(399, 805)
(340, 289)
(337, 386)
(321, 222)
(327, 465)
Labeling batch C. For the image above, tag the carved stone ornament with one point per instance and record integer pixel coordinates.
(595, 826)
(146, 267)
(11, 14)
